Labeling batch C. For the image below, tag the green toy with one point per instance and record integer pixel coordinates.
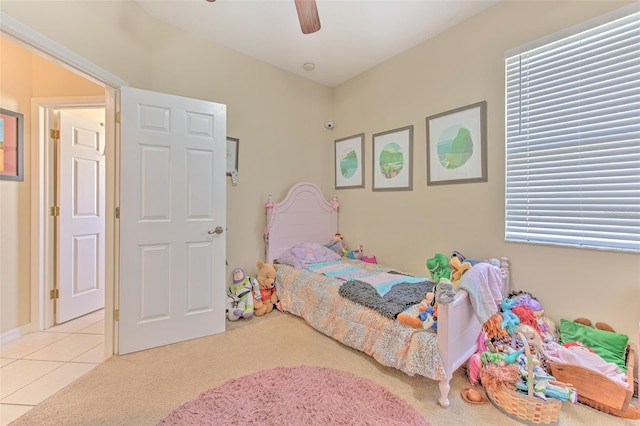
(438, 267)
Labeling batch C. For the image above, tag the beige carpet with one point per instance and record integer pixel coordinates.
(142, 388)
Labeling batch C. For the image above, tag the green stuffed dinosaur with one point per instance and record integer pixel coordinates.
(438, 267)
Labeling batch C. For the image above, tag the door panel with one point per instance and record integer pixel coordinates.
(81, 242)
(173, 193)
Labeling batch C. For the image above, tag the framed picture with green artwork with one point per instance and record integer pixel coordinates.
(393, 160)
(349, 162)
(457, 145)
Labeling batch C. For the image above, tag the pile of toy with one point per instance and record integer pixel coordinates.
(338, 245)
(446, 273)
(510, 362)
(501, 359)
(249, 296)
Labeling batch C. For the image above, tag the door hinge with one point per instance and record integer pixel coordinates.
(118, 117)
(116, 315)
(55, 211)
(54, 294)
(117, 212)
(54, 134)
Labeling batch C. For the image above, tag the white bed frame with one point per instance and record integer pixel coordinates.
(305, 215)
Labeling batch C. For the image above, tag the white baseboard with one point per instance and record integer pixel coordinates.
(15, 334)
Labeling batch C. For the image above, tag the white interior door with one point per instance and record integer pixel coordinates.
(81, 240)
(172, 219)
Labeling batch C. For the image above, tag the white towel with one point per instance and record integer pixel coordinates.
(483, 282)
(555, 352)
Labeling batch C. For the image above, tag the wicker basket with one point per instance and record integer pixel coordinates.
(526, 407)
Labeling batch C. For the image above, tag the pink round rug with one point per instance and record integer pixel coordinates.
(297, 396)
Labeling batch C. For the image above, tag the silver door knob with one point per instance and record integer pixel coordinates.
(218, 230)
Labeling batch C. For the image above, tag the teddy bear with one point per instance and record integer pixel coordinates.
(240, 296)
(427, 314)
(264, 291)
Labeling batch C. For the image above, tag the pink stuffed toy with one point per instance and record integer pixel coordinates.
(475, 363)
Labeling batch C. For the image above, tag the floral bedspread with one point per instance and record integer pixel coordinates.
(315, 298)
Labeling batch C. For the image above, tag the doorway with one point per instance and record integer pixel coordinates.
(57, 293)
(78, 188)
(204, 165)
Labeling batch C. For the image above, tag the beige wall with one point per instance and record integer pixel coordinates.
(15, 95)
(278, 118)
(114, 35)
(24, 75)
(459, 67)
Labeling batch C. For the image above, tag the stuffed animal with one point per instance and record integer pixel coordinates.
(239, 296)
(458, 268)
(337, 245)
(501, 358)
(356, 254)
(523, 298)
(264, 291)
(445, 292)
(509, 320)
(474, 366)
(427, 314)
(438, 267)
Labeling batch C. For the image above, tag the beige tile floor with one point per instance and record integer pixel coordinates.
(38, 365)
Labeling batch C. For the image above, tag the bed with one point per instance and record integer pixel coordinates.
(304, 215)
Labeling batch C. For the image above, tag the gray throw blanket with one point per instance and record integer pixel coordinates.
(396, 300)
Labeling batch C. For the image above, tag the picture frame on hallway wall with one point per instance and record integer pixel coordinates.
(11, 145)
(233, 147)
(457, 145)
(349, 162)
(393, 160)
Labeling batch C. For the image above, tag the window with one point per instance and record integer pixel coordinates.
(573, 139)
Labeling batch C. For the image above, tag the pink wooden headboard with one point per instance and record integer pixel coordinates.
(304, 215)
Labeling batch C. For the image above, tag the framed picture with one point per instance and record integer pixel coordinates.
(393, 159)
(457, 145)
(349, 162)
(11, 145)
(233, 146)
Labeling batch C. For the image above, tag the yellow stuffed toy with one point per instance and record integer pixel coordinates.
(264, 291)
(459, 267)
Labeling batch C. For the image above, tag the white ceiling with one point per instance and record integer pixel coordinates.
(355, 34)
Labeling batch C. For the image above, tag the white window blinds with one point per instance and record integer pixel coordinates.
(573, 140)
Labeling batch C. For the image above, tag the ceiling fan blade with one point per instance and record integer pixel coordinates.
(308, 16)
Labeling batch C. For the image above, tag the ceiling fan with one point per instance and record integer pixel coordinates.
(307, 15)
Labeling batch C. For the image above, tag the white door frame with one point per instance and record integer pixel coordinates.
(42, 315)
(57, 53)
